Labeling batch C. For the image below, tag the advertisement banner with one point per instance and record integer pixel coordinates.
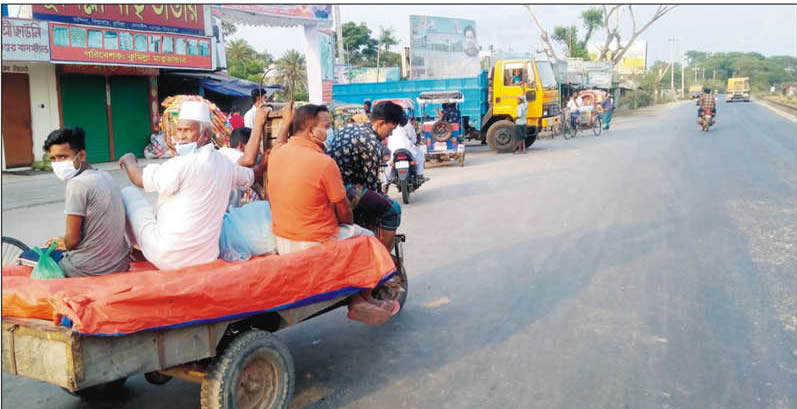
(25, 40)
(634, 59)
(327, 55)
(342, 73)
(172, 18)
(372, 74)
(70, 43)
(318, 13)
(443, 48)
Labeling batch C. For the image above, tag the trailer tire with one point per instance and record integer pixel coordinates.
(501, 136)
(255, 370)
(441, 131)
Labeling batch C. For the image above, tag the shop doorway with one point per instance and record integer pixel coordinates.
(17, 127)
(130, 113)
(83, 102)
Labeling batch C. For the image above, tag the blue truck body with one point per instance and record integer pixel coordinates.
(474, 90)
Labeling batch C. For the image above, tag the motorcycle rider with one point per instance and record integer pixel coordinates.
(707, 101)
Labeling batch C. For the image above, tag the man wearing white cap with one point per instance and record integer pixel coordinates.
(193, 191)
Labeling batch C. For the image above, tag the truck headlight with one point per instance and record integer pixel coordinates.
(545, 113)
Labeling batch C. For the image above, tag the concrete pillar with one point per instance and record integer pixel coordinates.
(312, 58)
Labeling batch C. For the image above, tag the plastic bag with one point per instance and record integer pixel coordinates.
(46, 268)
(253, 222)
(232, 245)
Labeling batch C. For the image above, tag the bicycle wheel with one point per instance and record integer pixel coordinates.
(12, 248)
(597, 126)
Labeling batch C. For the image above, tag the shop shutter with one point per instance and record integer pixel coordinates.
(83, 104)
(130, 114)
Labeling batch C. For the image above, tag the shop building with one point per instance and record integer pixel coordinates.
(101, 73)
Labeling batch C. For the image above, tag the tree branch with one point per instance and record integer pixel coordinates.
(660, 12)
(543, 36)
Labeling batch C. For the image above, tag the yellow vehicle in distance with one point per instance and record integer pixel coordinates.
(738, 89)
(695, 91)
(508, 80)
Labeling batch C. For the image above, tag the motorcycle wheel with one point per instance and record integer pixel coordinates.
(405, 191)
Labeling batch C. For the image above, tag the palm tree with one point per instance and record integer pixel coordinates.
(239, 50)
(386, 40)
(292, 70)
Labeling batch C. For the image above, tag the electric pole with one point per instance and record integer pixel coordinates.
(339, 30)
(683, 72)
(672, 41)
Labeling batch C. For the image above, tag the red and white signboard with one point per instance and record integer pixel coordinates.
(94, 45)
(25, 40)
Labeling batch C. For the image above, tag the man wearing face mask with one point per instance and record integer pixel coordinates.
(193, 193)
(308, 202)
(358, 152)
(95, 215)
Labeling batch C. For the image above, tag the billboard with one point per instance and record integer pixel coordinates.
(172, 18)
(85, 44)
(276, 14)
(634, 60)
(25, 40)
(327, 55)
(442, 47)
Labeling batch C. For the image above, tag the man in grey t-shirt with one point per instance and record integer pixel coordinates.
(94, 241)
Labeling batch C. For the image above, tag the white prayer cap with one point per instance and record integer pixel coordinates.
(195, 111)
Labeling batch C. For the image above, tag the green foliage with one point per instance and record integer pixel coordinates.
(292, 73)
(763, 71)
(228, 29)
(592, 19)
(359, 48)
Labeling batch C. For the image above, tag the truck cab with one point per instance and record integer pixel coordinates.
(508, 80)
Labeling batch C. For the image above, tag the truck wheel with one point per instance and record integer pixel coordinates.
(531, 139)
(501, 136)
(100, 392)
(254, 372)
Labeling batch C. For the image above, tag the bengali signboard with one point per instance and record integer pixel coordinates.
(25, 40)
(107, 70)
(171, 18)
(443, 48)
(82, 44)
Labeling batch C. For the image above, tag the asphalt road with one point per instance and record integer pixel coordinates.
(650, 267)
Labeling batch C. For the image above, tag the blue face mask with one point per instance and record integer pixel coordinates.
(185, 148)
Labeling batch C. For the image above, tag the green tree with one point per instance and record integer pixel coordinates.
(385, 41)
(239, 50)
(292, 71)
(228, 29)
(568, 36)
(360, 49)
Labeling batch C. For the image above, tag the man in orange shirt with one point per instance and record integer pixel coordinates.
(308, 200)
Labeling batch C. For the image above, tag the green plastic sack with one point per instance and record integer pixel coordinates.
(46, 268)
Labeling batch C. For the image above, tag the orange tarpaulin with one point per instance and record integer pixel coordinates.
(122, 303)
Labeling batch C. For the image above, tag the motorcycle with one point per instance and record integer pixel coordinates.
(706, 120)
(404, 174)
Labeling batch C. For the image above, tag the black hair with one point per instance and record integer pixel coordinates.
(240, 136)
(471, 29)
(75, 137)
(390, 113)
(706, 90)
(257, 92)
(305, 115)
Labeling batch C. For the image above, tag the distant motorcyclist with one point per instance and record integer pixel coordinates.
(707, 101)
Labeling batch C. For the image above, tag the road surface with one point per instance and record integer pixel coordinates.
(650, 267)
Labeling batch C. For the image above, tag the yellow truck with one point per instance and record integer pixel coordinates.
(508, 80)
(738, 89)
(695, 91)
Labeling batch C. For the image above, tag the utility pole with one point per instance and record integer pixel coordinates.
(683, 73)
(704, 74)
(672, 41)
(339, 30)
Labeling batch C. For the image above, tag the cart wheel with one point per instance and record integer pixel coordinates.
(597, 126)
(103, 391)
(255, 371)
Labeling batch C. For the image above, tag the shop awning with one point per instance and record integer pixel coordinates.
(226, 85)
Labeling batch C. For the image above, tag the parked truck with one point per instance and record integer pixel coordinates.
(488, 112)
(738, 89)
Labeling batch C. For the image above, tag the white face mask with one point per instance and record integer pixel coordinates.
(183, 149)
(64, 170)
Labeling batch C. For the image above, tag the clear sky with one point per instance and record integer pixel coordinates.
(767, 29)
